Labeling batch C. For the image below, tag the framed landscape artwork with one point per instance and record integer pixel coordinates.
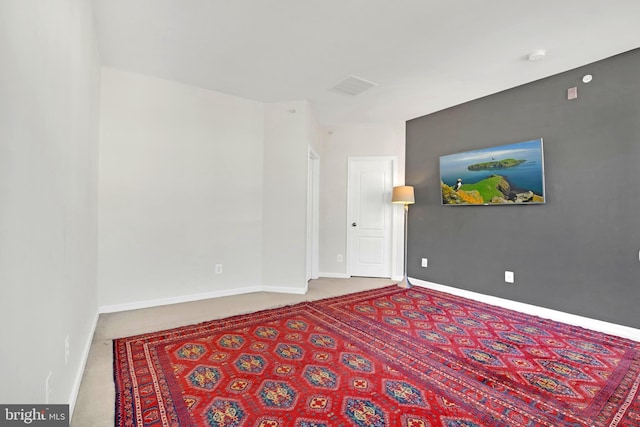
(504, 175)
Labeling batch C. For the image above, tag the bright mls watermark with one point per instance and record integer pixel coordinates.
(34, 415)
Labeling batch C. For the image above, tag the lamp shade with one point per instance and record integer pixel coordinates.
(403, 194)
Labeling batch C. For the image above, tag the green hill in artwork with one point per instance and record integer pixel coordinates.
(494, 186)
(492, 190)
(498, 164)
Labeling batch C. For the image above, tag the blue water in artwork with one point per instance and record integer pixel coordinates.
(526, 176)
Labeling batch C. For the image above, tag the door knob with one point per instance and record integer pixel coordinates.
(354, 225)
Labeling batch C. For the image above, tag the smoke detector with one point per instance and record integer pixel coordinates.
(538, 55)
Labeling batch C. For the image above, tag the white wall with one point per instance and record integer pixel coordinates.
(49, 86)
(286, 142)
(180, 191)
(366, 139)
(188, 179)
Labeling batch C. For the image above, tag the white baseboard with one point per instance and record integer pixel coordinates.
(176, 300)
(348, 276)
(546, 313)
(285, 290)
(335, 275)
(201, 296)
(84, 357)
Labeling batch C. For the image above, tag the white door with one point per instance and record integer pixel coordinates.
(370, 216)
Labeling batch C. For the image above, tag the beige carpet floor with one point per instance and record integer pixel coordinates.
(96, 399)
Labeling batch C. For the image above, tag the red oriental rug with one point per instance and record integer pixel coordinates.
(386, 357)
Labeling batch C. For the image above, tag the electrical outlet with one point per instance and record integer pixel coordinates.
(218, 268)
(48, 391)
(66, 350)
(339, 257)
(425, 262)
(509, 277)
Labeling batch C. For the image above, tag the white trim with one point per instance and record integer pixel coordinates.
(397, 278)
(75, 389)
(283, 290)
(175, 300)
(334, 275)
(546, 313)
(202, 296)
(313, 176)
(393, 250)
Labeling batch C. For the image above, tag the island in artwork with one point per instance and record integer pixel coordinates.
(500, 164)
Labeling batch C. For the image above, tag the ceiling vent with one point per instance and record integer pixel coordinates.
(352, 86)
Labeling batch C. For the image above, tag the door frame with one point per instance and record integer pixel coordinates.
(396, 219)
(313, 214)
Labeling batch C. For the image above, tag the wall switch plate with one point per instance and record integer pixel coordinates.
(508, 276)
(339, 257)
(218, 268)
(425, 262)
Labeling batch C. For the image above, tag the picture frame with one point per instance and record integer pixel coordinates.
(503, 175)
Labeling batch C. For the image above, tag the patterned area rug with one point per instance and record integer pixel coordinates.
(386, 357)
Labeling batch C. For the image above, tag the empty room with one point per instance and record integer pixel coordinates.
(294, 213)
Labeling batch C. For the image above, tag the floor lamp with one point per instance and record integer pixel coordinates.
(404, 195)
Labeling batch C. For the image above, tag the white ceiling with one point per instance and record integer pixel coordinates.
(425, 55)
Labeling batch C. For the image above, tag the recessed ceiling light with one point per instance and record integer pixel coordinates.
(537, 55)
(587, 78)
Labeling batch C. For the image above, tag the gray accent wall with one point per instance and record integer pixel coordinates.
(578, 253)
